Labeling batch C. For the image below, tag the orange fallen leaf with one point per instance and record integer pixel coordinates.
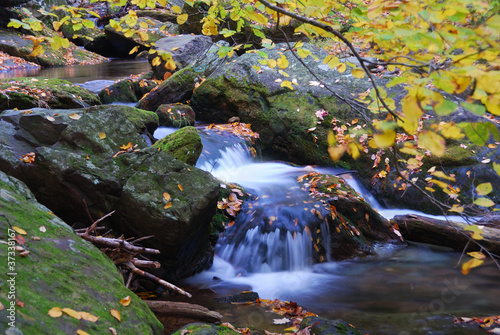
(116, 314)
(88, 316)
(19, 239)
(126, 146)
(180, 187)
(168, 205)
(102, 136)
(166, 196)
(126, 301)
(20, 303)
(28, 158)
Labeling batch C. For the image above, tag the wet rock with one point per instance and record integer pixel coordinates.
(184, 50)
(179, 87)
(98, 159)
(205, 329)
(23, 93)
(61, 270)
(176, 115)
(126, 90)
(248, 296)
(322, 326)
(184, 145)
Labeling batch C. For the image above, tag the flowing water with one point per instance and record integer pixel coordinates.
(411, 290)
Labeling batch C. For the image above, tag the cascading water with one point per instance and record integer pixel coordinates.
(272, 232)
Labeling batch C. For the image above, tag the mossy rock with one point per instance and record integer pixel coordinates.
(126, 90)
(205, 329)
(322, 326)
(176, 115)
(24, 93)
(184, 145)
(61, 270)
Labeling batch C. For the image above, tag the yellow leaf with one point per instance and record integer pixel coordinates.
(441, 174)
(484, 202)
(180, 187)
(175, 48)
(126, 301)
(126, 146)
(412, 113)
(287, 83)
(156, 61)
(170, 65)
(102, 136)
(19, 230)
(282, 62)
(88, 317)
(386, 139)
(341, 67)
(81, 332)
(74, 116)
(358, 73)
(176, 9)
(271, 63)
(56, 25)
(433, 142)
(72, 313)
(167, 196)
(496, 167)
(143, 36)
(484, 188)
(143, 25)
(477, 255)
(456, 208)
(181, 19)
(55, 312)
(336, 152)
(37, 50)
(467, 266)
(134, 50)
(476, 230)
(116, 314)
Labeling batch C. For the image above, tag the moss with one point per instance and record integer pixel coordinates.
(205, 329)
(63, 270)
(184, 145)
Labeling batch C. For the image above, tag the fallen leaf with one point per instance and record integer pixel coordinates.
(1, 307)
(55, 312)
(126, 301)
(20, 303)
(102, 136)
(43, 229)
(88, 316)
(19, 239)
(281, 321)
(167, 205)
(75, 116)
(126, 146)
(72, 313)
(180, 187)
(81, 332)
(19, 230)
(175, 48)
(166, 196)
(112, 331)
(50, 118)
(116, 314)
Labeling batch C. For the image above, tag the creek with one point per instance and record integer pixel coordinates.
(416, 289)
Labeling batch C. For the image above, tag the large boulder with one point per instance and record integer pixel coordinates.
(176, 115)
(183, 48)
(126, 90)
(98, 159)
(179, 87)
(24, 93)
(61, 270)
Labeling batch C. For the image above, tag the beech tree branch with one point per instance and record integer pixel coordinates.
(340, 36)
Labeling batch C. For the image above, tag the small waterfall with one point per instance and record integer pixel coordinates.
(282, 228)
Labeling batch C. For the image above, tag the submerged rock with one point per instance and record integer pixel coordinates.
(61, 270)
(322, 326)
(98, 159)
(126, 90)
(205, 329)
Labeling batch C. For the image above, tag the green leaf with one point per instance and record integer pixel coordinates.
(484, 202)
(496, 167)
(484, 188)
(445, 107)
(88, 23)
(14, 23)
(474, 108)
(480, 132)
(433, 142)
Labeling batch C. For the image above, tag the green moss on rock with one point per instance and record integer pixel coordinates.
(205, 329)
(184, 145)
(62, 270)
